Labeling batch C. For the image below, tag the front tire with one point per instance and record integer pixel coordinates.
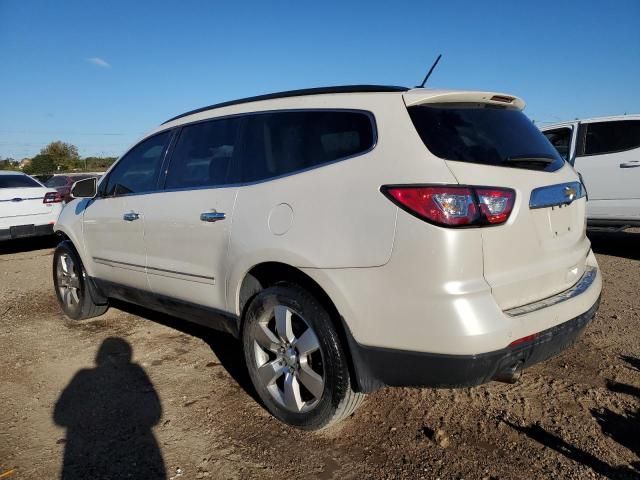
(71, 284)
(295, 359)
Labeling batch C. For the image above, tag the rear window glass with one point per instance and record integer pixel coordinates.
(285, 142)
(17, 181)
(484, 134)
(608, 137)
(56, 182)
(203, 155)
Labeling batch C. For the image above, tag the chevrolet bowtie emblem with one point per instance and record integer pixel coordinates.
(570, 193)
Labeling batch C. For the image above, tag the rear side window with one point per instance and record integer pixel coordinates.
(484, 134)
(17, 181)
(138, 170)
(285, 142)
(203, 155)
(609, 137)
(560, 138)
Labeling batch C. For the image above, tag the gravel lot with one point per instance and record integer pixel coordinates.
(182, 406)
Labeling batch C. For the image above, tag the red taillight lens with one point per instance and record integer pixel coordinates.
(52, 197)
(442, 205)
(526, 339)
(454, 206)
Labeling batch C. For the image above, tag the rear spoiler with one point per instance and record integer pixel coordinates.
(421, 96)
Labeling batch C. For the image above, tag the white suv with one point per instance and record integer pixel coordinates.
(606, 152)
(352, 237)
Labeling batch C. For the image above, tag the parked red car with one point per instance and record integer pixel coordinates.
(63, 183)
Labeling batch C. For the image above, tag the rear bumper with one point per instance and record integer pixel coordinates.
(26, 231)
(376, 367)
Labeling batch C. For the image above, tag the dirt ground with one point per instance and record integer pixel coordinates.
(73, 403)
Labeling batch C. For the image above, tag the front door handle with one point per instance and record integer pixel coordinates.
(131, 216)
(212, 216)
(632, 164)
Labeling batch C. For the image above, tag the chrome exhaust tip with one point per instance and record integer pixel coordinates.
(509, 375)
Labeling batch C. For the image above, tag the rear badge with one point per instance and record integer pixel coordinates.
(570, 193)
(556, 195)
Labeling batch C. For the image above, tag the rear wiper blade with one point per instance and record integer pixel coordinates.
(530, 158)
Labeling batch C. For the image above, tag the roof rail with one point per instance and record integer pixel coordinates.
(298, 93)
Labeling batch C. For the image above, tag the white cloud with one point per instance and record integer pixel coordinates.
(99, 62)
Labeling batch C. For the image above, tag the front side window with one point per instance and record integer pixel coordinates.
(560, 138)
(484, 134)
(609, 137)
(280, 143)
(203, 155)
(138, 170)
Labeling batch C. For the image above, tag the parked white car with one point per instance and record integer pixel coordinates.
(352, 237)
(606, 152)
(27, 208)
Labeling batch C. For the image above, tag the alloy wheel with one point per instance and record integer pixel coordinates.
(68, 280)
(289, 359)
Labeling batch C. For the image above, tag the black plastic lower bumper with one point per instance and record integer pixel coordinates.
(376, 367)
(26, 231)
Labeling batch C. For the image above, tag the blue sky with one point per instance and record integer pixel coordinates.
(100, 74)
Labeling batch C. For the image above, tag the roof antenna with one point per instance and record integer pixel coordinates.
(430, 72)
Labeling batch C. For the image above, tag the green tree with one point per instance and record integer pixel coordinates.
(60, 149)
(40, 164)
(98, 163)
(64, 155)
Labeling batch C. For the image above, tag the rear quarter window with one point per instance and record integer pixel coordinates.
(484, 134)
(281, 143)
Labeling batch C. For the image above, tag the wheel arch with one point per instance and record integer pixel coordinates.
(266, 274)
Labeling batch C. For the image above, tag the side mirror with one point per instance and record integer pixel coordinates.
(87, 188)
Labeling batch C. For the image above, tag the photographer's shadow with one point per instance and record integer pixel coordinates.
(109, 412)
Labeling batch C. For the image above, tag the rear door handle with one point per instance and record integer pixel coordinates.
(212, 216)
(633, 164)
(131, 216)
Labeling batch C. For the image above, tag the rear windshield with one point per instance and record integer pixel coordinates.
(56, 182)
(484, 134)
(17, 181)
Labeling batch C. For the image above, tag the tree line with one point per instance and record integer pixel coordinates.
(58, 157)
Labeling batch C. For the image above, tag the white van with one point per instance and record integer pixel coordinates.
(606, 152)
(351, 237)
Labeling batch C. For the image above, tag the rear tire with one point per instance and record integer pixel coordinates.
(71, 284)
(295, 359)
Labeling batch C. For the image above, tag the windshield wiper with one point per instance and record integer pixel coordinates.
(546, 159)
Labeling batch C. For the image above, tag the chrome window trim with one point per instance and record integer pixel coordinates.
(555, 195)
(580, 287)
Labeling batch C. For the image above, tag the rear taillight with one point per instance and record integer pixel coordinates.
(52, 197)
(495, 204)
(454, 206)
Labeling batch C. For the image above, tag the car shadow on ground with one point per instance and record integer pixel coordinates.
(225, 347)
(31, 244)
(623, 428)
(618, 244)
(108, 412)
